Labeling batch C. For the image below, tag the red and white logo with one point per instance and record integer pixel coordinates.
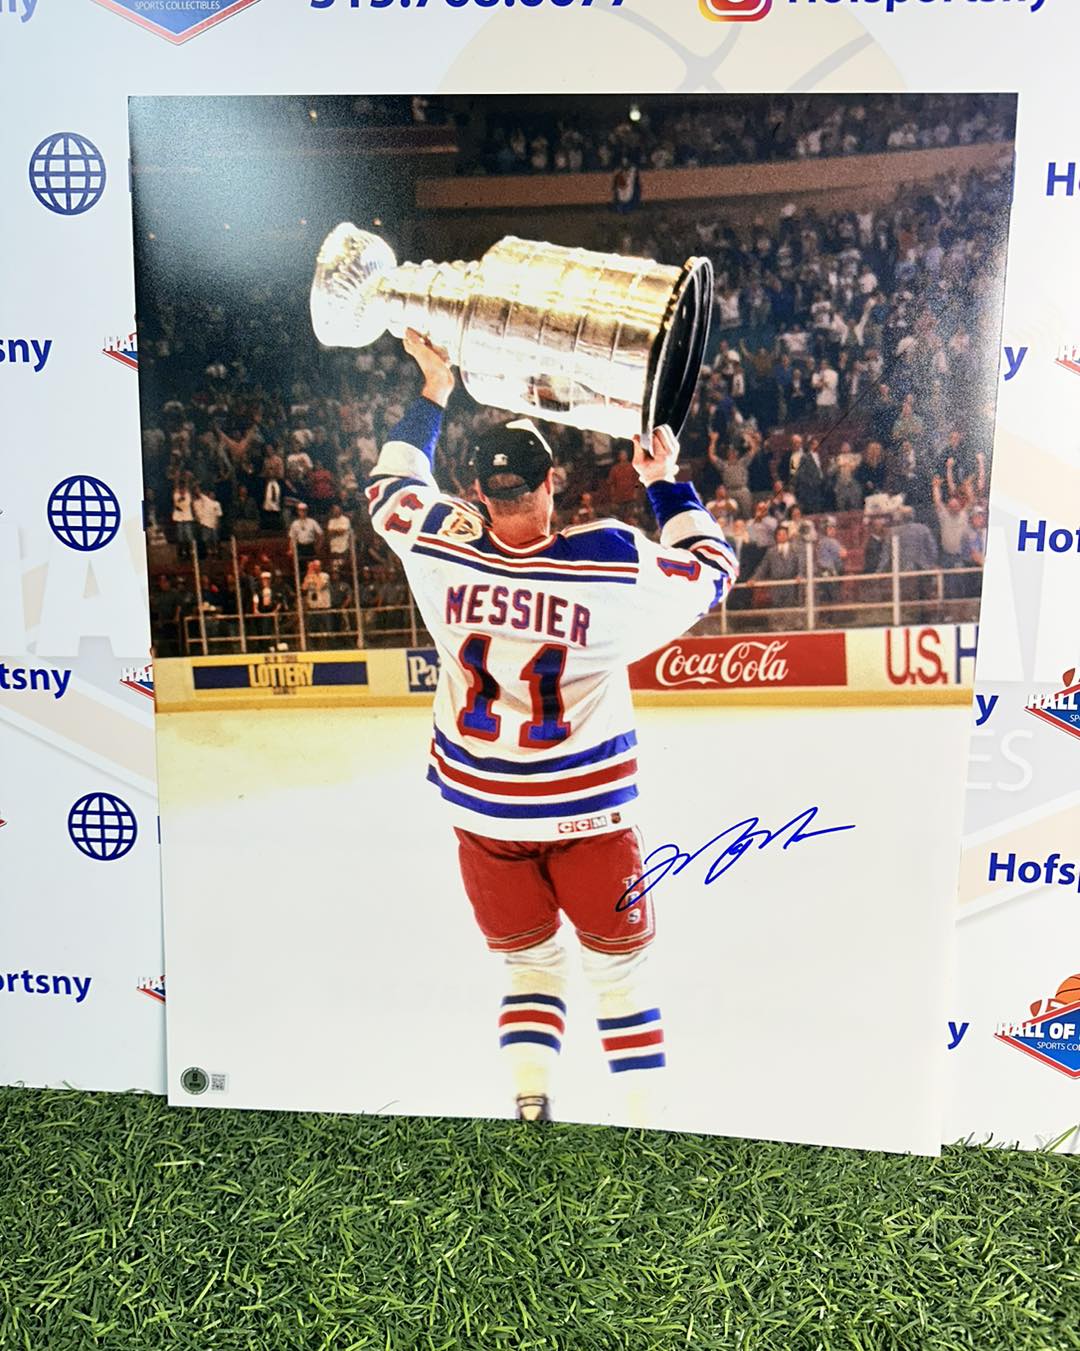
(735, 11)
(1068, 357)
(744, 663)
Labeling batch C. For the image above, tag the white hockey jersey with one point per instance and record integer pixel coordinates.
(534, 727)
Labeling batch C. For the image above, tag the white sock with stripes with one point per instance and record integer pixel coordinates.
(532, 1018)
(631, 1029)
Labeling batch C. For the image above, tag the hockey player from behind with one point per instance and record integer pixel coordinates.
(534, 749)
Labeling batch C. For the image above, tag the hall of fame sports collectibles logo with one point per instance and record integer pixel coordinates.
(176, 22)
(139, 678)
(1060, 710)
(124, 349)
(1068, 357)
(1052, 1034)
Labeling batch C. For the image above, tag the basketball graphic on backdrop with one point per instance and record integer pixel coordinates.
(668, 45)
(1068, 992)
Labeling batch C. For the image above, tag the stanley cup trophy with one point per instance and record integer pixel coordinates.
(593, 340)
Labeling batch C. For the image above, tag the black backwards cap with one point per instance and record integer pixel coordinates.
(515, 451)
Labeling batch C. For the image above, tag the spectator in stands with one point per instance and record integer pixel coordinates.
(265, 609)
(965, 477)
(298, 463)
(271, 515)
(321, 489)
(338, 533)
(342, 602)
(781, 502)
(315, 588)
(183, 514)
(808, 476)
(304, 533)
(782, 563)
(762, 528)
(829, 558)
(952, 455)
(884, 411)
(799, 528)
(953, 527)
(799, 395)
(826, 385)
(908, 426)
(973, 549)
(625, 187)
(917, 551)
(759, 475)
(207, 512)
(872, 470)
(748, 555)
(847, 493)
(246, 516)
(622, 480)
(790, 458)
(877, 555)
(722, 508)
(735, 477)
(829, 554)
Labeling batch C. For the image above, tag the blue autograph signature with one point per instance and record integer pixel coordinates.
(669, 858)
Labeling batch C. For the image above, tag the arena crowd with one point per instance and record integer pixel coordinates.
(742, 132)
(847, 400)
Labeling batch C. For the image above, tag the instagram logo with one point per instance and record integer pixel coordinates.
(735, 11)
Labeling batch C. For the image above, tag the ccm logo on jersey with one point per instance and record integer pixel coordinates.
(584, 823)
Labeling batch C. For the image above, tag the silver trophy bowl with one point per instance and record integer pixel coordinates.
(593, 340)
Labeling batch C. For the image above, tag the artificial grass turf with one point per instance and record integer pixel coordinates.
(126, 1224)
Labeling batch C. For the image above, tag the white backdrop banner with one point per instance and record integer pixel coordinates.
(80, 897)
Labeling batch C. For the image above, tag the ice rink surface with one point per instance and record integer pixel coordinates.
(321, 953)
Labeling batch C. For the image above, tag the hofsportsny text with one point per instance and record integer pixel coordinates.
(26, 982)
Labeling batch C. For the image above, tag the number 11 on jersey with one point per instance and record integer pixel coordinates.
(542, 675)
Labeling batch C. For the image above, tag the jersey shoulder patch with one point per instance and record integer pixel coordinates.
(453, 519)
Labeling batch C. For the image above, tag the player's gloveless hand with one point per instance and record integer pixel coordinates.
(434, 362)
(662, 464)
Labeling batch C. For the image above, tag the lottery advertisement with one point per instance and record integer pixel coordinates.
(601, 555)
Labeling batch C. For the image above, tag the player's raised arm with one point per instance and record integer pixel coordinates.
(402, 490)
(689, 571)
(680, 513)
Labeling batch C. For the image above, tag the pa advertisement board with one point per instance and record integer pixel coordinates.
(73, 507)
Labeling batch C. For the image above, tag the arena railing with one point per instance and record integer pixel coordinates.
(811, 601)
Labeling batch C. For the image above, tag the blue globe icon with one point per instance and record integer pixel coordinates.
(102, 827)
(67, 173)
(84, 513)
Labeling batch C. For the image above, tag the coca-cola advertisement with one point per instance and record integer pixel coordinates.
(782, 661)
